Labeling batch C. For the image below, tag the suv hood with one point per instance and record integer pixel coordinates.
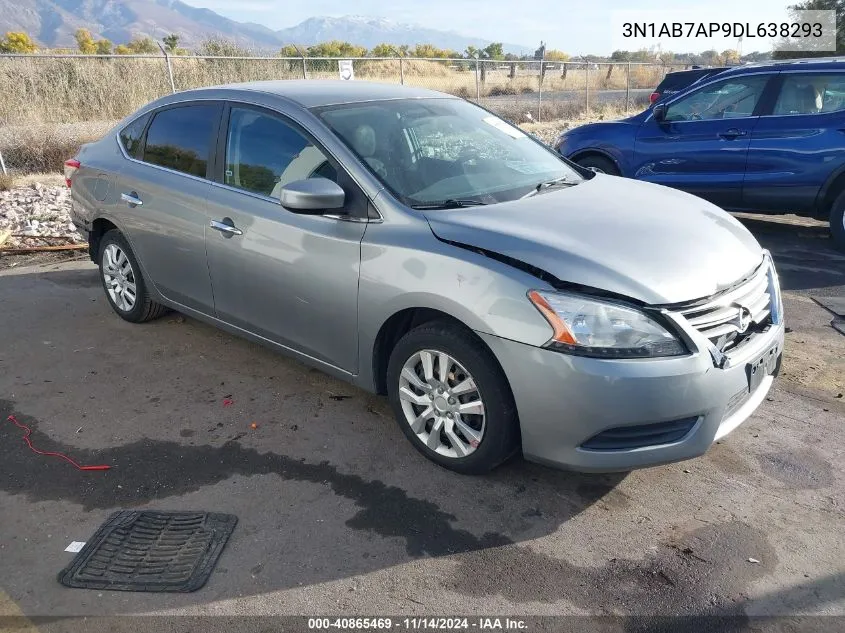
(648, 242)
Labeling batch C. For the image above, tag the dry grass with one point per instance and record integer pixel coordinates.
(43, 90)
(7, 181)
(44, 147)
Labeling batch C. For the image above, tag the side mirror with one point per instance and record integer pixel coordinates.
(312, 196)
(659, 112)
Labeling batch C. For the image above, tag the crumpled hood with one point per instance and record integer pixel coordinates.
(637, 239)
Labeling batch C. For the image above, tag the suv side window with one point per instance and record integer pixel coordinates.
(811, 93)
(179, 138)
(264, 153)
(727, 99)
(130, 136)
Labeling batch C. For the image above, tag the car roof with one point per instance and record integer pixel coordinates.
(817, 63)
(313, 93)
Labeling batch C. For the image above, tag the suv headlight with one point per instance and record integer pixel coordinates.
(601, 329)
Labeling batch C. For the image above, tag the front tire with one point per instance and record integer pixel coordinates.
(599, 164)
(837, 222)
(123, 282)
(451, 398)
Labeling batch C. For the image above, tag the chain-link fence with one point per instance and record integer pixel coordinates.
(64, 88)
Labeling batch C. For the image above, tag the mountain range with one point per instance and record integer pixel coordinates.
(52, 23)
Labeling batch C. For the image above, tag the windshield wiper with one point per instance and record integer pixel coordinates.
(563, 181)
(451, 203)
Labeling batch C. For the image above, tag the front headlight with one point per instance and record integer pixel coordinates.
(592, 327)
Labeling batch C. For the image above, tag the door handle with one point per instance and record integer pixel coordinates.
(732, 133)
(131, 199)
(226, 228)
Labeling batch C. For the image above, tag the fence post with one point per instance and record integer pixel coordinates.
(586, 89)
(3, 165)
(540, 95)
(401, 71)
(627, 87)
(477, 85)
(169, 68)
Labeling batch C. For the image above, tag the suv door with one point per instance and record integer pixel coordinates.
(797, 143)
(164, 185)
(287, 277)
(702, 144)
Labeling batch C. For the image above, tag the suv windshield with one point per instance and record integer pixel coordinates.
(445, 152)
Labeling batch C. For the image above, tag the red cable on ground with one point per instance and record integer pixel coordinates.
(26, 439)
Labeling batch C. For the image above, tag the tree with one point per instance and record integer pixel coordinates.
(103, 47)
(122, 49)
(820, 5)
(289, 50)
(384, 50)
(143, 46)
(171, 42)
(620, 56)
(555, 55)
(494, 50)
(85, 42)
(336, 48)
(17, 42)
(471, 51)
(729, 57)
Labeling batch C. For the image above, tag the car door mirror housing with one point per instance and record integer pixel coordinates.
(659, 112)
(312, 196)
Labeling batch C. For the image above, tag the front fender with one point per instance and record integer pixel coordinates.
(420, 271)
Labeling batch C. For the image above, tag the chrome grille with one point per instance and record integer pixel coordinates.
(728, 317)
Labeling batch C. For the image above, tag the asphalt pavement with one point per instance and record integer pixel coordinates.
(338, 514)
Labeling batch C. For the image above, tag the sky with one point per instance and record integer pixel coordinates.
(574, 26)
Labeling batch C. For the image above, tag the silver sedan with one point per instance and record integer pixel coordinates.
(418, 246)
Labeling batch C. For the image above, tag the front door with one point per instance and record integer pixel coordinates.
(701, 146)
(287, 277)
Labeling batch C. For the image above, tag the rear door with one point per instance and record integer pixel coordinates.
(164, 187)
(798, 142)
(702, 145)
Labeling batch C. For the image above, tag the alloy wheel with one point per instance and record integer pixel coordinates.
(119, 278)
(442, 403)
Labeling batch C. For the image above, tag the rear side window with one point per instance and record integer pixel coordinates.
(811, 94)
(180, 138)
(130, 136)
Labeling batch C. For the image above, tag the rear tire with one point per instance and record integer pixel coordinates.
(123, 282)
(463, 416)
(599, 164)
(837, 222)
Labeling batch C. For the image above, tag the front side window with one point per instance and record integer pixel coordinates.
(263, 154)
(728, 99)
(180, 138)
(811, 94)
(130, 136)
(431, 150)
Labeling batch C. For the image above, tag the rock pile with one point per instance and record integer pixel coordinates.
(37, 215)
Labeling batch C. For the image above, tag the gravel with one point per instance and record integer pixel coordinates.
(37, 215)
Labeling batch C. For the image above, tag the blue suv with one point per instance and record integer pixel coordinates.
(766, 138)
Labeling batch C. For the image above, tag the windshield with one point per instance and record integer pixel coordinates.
(445, 152)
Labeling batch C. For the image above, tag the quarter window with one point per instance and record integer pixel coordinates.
(729, 99)
(180, 138)
(130, 136)
(263, 154)
(811, 94)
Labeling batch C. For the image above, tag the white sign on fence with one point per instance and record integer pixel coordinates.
(347, 73)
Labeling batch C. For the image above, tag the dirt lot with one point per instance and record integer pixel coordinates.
(339, 515)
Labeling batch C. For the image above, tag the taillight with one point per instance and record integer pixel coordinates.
(71, 165)
(654, 96)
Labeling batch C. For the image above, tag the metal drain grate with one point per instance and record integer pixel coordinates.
(151, 551)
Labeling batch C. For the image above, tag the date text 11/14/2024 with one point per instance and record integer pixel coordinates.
(419, 624)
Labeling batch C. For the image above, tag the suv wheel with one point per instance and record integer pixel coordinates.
(599, 164)
(451, 399)
(125, 288)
